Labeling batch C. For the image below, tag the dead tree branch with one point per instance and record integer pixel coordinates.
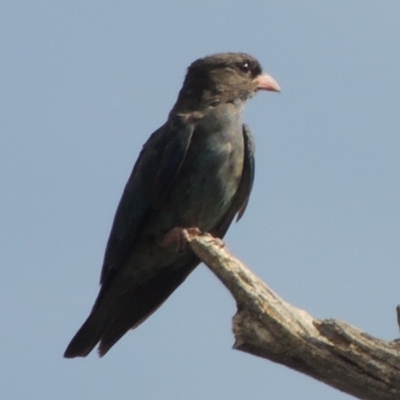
(328, 350)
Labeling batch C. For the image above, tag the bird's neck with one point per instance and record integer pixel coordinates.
(191, 100)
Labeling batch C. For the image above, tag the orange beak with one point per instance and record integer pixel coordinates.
(267, 82)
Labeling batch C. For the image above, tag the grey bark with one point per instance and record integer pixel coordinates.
(330, 351)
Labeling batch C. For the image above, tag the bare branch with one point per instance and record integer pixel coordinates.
(328, 350)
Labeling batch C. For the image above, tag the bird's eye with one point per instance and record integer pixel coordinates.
(245, 67)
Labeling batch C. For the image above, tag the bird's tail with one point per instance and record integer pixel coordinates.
(126, 312)
(88, 335)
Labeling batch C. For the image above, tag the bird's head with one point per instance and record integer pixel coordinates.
(224, 77)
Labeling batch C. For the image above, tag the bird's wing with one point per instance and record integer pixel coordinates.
(153, 174)
(242, 195)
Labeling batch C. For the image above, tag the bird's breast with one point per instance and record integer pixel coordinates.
(211, 172)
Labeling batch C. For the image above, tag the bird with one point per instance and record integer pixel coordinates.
(195, 172)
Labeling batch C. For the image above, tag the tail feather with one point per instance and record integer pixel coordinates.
(87, 337)
(143, 302)
(111, 318)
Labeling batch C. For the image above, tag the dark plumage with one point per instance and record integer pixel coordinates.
(194, 171)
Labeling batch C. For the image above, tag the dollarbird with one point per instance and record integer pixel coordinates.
(195, 171)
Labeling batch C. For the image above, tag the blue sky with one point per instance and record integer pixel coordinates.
(84, 83)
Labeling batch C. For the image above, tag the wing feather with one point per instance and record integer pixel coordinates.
(152, 177)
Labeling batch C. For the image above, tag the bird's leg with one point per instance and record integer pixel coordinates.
(180, 236)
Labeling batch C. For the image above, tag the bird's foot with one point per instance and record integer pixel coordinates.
(180, 236)
(216, 241)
